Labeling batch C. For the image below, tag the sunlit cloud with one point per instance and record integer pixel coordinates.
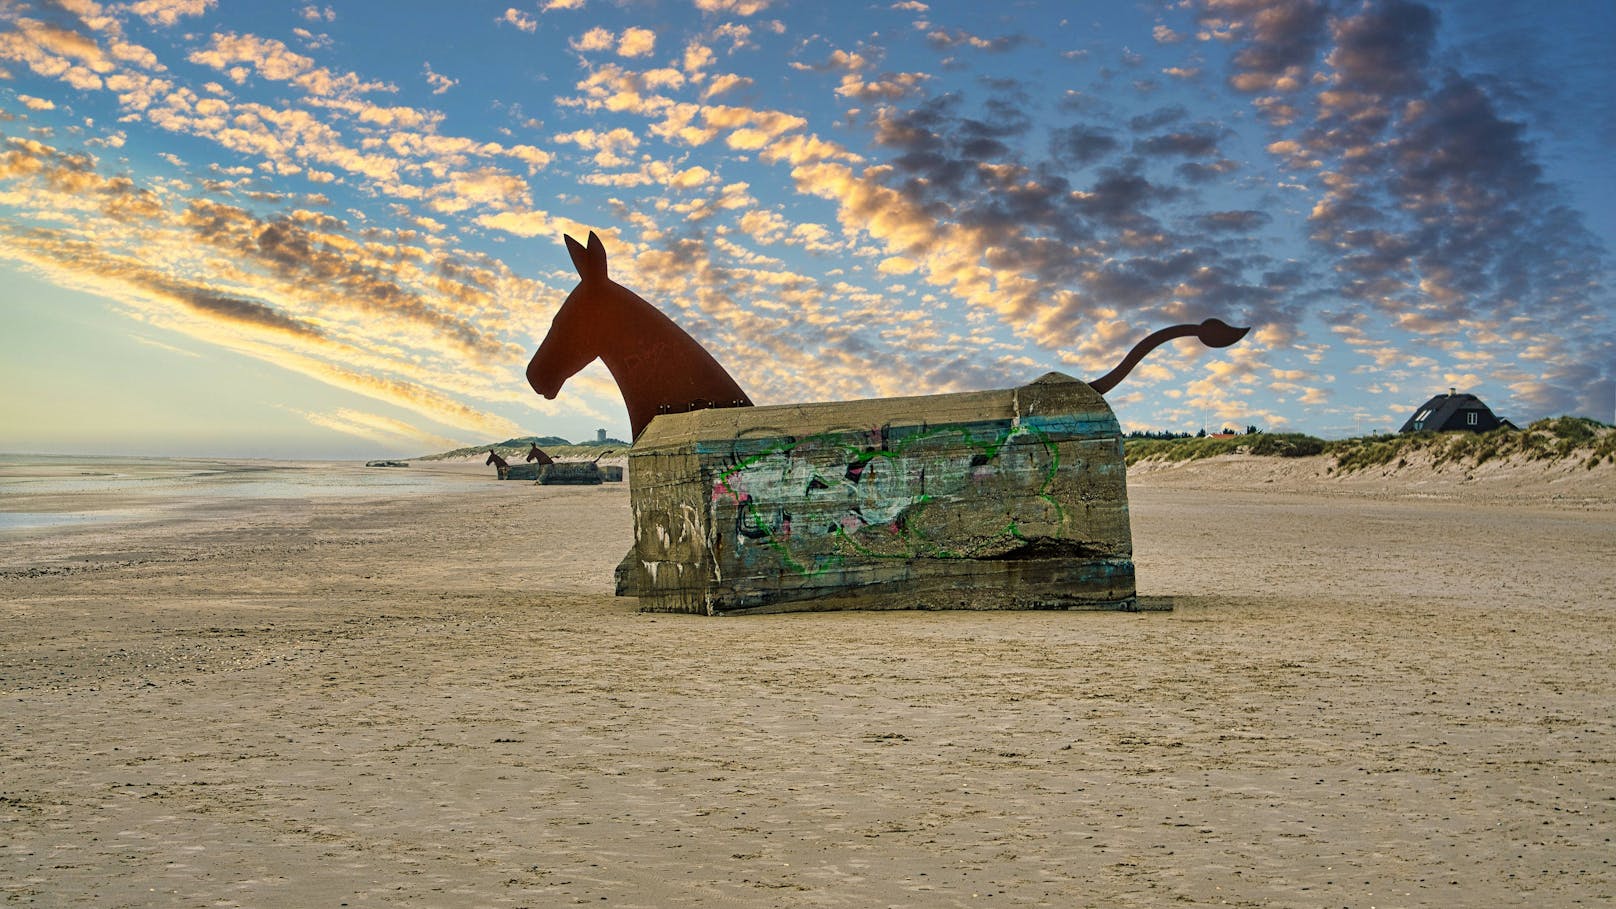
(439, 82)
(636, 42)
(518, 19)
(170, 12)
(166, 348)
(738, 7)
(375, 428)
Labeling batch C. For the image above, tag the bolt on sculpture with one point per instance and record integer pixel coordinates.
(1007, 499)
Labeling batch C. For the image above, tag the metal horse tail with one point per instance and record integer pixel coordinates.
(1212, 332)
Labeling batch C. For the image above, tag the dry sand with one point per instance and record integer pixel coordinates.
(1380, 691)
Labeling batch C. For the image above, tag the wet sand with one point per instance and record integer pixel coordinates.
(1371, 692)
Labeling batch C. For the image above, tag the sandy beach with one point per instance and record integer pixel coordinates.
(1385, 690)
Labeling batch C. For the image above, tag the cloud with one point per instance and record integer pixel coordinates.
(596, 39)
(886, 87)
(1281, 39)
(1243, 222)
(1082, 145)
(520, 20)
(609, 146)
(636, 42)
(168, 348)
(169, 12)
(1198, 142)
(439, 82)
(838, 61)
(232, 309)
(898, 265)
(520, 223)
(725, 83)
(950, 39)
(233, 54)
(738, 7)
(374, 427)
(697, 57)
(1385, 48)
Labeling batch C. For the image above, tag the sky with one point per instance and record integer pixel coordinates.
(335, 229)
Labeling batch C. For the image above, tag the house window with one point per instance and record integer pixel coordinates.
(1470, 418)
(1423, 414)
(1419, 425)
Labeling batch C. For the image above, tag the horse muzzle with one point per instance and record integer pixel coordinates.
(541, 383)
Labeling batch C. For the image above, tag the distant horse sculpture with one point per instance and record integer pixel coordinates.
(535, 454)
(500, 464)
(658, 367)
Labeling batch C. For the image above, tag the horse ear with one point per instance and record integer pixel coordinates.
(597, 257)
(580, 258)
(591, 261)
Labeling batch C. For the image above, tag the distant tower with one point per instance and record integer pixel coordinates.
(600, 435)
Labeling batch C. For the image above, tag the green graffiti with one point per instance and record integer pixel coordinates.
(813, 503)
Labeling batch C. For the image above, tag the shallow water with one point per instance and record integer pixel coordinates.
(40, 493)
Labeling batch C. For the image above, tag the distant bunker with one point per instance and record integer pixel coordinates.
(565, 473)
(1009, 499)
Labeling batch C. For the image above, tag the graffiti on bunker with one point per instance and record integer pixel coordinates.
(892, 493)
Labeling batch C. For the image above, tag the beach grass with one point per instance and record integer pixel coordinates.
(1553, 439)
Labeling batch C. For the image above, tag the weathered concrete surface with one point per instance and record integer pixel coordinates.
(522, 472)
(1010, 499)
(570, 473)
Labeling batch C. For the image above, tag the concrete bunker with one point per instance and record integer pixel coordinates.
(1008, 499)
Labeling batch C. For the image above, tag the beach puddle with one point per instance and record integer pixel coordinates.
(22, 522)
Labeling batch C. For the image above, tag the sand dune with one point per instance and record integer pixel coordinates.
(1372, 691)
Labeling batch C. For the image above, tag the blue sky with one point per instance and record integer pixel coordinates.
(334, 229)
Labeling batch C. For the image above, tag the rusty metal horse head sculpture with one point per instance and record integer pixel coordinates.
(658, 367)
(661, 369)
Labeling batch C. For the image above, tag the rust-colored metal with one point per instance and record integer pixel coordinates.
(658, 367)
(501, 466)
(1212, 332)
(537, 454)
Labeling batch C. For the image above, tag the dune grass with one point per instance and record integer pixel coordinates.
(554, 446)
(1278, 444)
(1552, 439)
